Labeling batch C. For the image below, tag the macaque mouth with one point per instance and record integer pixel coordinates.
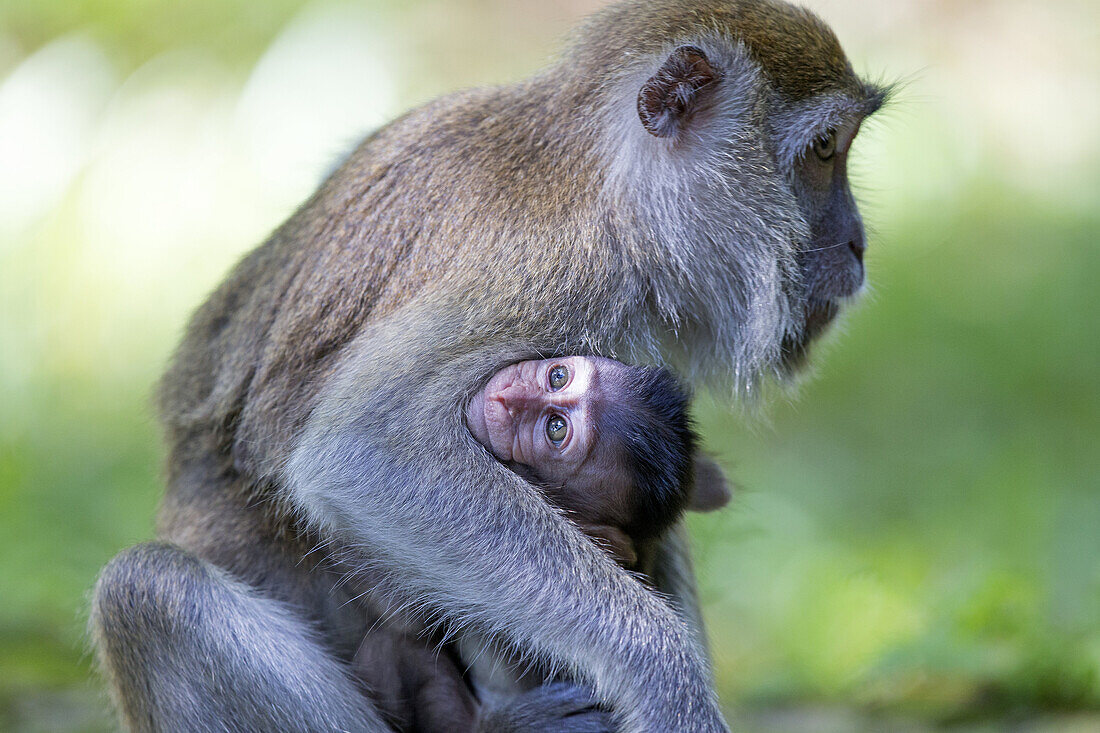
(796, 347)
(819, 314)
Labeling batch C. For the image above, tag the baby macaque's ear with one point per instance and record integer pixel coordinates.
(712, 490)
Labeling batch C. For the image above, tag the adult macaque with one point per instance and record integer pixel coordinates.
(673, 191)
(610, 445)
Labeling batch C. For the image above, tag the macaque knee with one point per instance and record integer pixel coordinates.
(143, 606)
(186, 647)
(147, 593)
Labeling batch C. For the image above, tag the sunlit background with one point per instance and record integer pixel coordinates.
(917, 541)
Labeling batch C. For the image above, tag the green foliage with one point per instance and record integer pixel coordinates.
(920, 528)
(136, 29)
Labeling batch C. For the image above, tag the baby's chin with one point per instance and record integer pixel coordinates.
(475, 418)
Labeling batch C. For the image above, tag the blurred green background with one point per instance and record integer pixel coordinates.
(917, 543)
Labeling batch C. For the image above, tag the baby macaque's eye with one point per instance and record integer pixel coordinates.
(556, 429)
(559, 375)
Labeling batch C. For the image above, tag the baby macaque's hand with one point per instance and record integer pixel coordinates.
(614, 541)
(416, 684)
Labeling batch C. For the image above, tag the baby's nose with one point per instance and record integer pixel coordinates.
(520, 398)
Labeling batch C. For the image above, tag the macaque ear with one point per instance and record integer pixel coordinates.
(712, 490)
(667, 100)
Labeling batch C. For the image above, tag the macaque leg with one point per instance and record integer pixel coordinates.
(188, 648)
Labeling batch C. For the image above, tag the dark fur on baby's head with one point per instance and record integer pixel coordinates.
(650, 428)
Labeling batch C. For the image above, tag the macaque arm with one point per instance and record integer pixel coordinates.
(386, 467)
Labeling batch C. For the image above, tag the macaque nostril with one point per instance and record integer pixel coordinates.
(517, 399)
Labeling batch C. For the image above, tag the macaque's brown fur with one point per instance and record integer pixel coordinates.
(312, 407)
(410, 209)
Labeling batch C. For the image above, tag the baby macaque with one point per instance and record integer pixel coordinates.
(611, 445)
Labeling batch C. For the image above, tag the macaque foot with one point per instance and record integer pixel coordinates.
(556, 707)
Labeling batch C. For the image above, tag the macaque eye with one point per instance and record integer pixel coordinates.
(556, 429)
(559, 375)
(825, 146)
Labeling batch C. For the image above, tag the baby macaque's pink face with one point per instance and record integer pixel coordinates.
(541, 415)
(539, 418)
